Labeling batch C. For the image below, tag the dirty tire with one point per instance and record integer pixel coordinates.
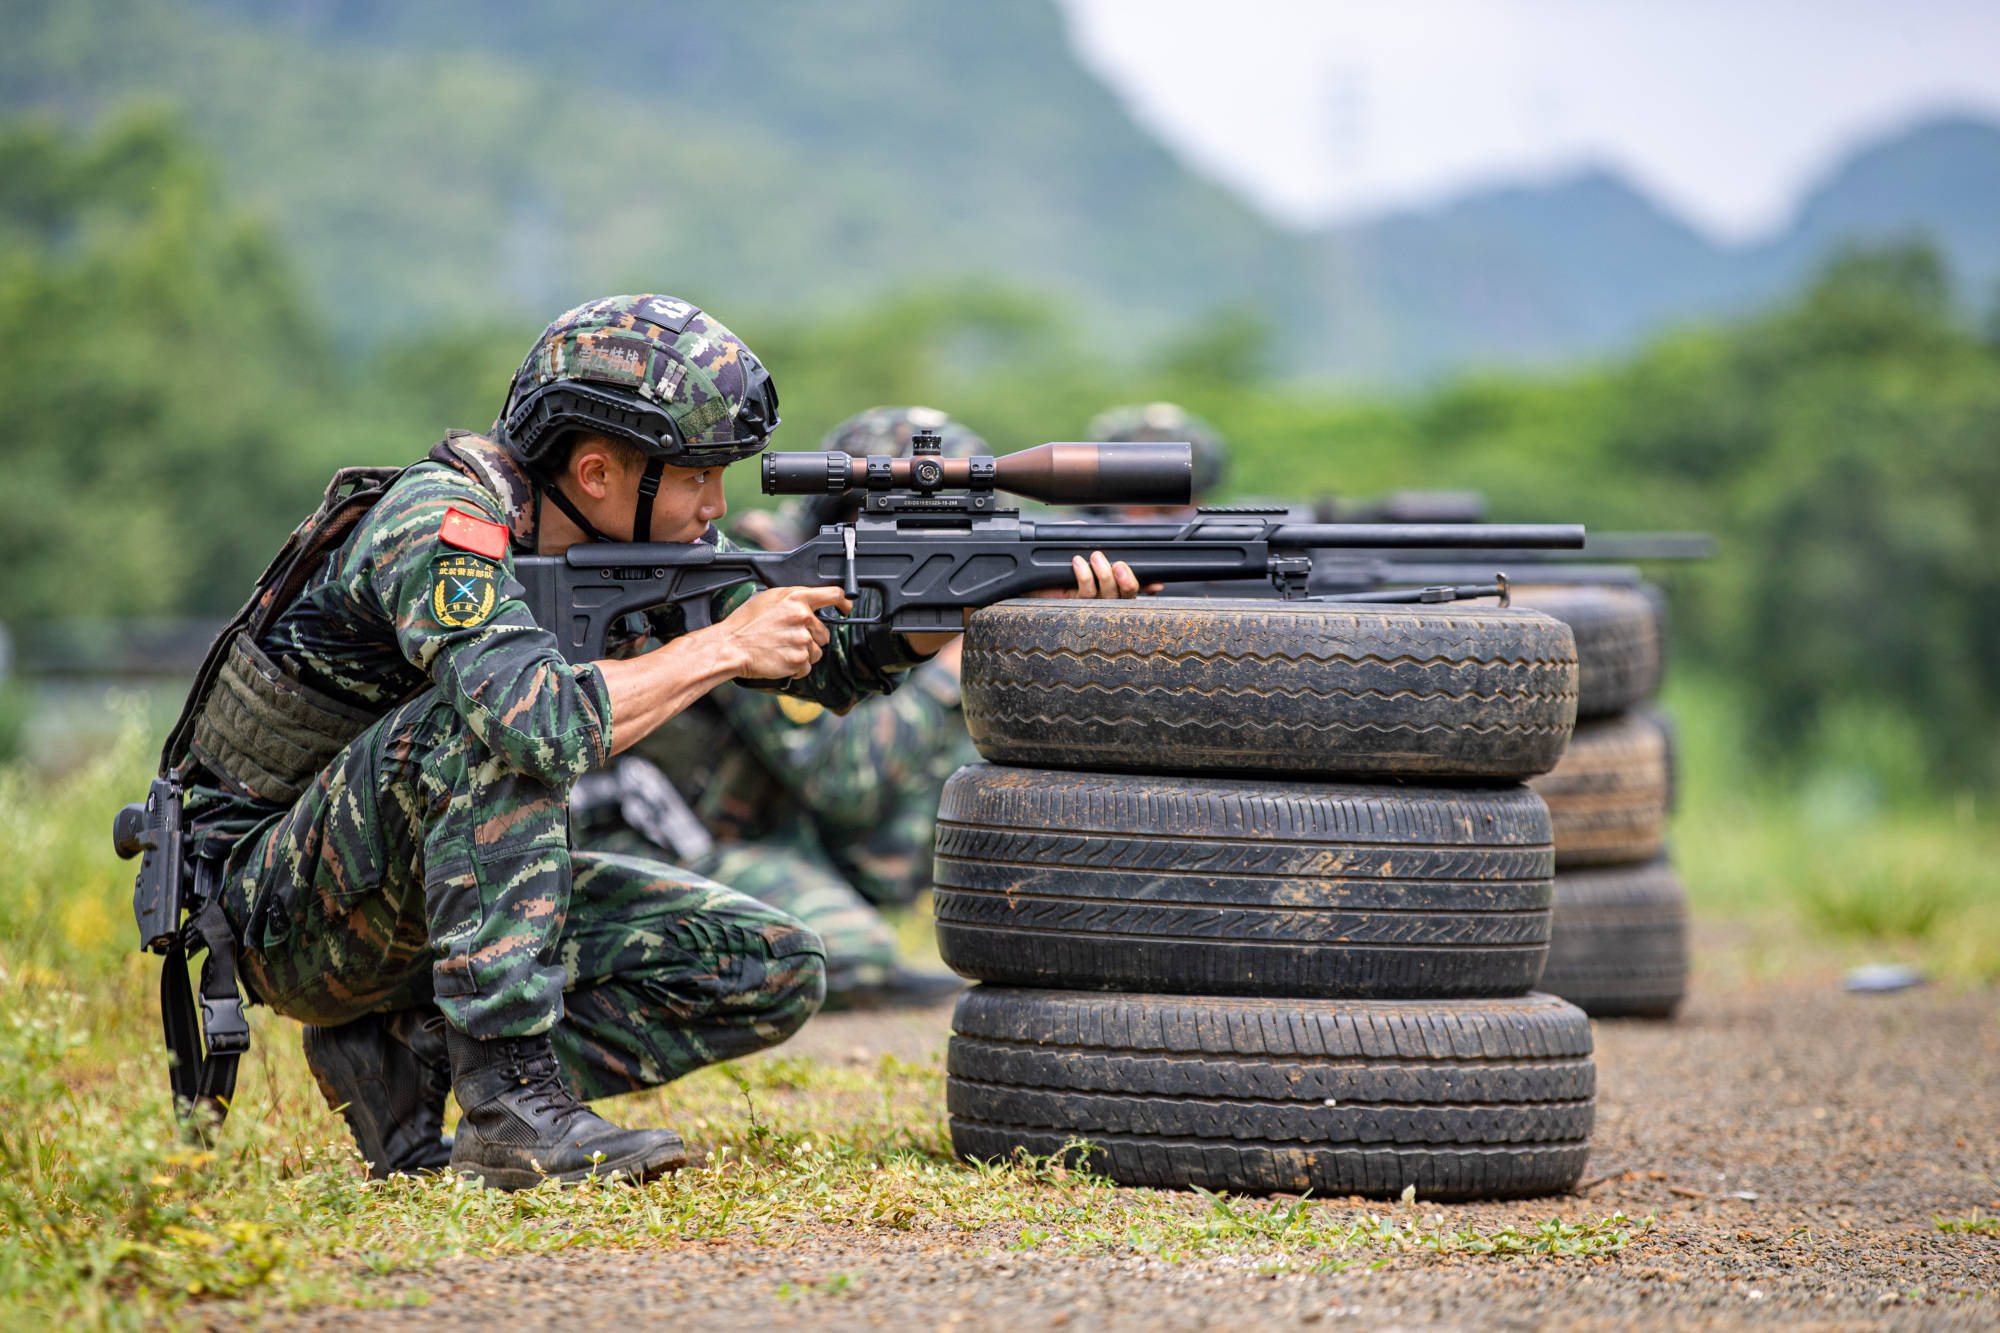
(1670, 742)
(1620, 944)
(1197, 886)
(1299, 689)
(1617, 641)
(1464, 1099)
(1608, 797)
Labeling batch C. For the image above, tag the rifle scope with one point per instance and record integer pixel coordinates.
(1058, 474)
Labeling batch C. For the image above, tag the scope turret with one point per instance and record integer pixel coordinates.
(1149, 473)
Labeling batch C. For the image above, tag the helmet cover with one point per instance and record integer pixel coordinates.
(654, 371)
(889, 430)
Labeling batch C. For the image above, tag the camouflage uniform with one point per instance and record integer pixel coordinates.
(431, 858)
(915, 741)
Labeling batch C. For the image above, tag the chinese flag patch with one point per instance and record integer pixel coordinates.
(468, 532)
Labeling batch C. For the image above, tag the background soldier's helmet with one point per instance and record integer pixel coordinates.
(653, 371)
(879, 430)
(888, 430)
(1168, 421)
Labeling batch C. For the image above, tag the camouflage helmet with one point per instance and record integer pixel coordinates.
(653, 371)
(879, 430)
(1168, 421)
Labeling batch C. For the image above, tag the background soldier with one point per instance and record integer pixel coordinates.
(821, 815)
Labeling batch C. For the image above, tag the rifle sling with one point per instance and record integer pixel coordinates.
(206, 1037)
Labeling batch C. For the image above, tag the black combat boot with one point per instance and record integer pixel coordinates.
(387, 1075)
(522, 1125)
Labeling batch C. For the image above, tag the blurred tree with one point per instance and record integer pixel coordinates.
(159, 363)
(1870, 512)
(1846, 448)
(1230, 351)
(172, 406)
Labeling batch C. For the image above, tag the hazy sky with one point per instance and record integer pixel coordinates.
(1724, 111)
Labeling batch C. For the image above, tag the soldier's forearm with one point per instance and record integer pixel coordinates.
(648, 689)
(931, 642)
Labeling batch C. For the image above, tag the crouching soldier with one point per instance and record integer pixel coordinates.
(379, 750)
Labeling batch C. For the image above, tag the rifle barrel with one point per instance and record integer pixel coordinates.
(1612, 547)
(1430, 536)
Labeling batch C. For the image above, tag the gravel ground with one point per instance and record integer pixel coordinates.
(1795, 1144)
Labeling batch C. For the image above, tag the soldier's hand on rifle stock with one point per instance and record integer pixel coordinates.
(1097, 577)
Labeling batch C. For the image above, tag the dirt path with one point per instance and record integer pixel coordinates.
(1795, 1143)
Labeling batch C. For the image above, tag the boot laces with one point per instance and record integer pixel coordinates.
(541, 1079)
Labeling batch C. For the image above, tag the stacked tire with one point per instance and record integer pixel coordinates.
(1619, 943)
(1257, 897)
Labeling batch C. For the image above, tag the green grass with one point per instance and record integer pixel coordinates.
(111, 1221)
(1853, 849)
(1975, 1224)
(108, 1220)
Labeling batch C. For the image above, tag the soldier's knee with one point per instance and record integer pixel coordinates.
(796, 986)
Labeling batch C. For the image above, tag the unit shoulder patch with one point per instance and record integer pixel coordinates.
(470, 532)
(464, 590)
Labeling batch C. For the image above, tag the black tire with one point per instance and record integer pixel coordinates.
(1620, 946)
(1617, 641)
(1297, 689)
(1210, 887)
(1465, 1099)
(1670, 741)
(1608, 797)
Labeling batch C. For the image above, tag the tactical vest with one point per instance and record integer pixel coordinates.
(257, 729)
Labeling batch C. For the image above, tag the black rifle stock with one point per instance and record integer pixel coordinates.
(929, 552)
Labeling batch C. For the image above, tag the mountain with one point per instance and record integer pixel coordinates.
(1587, 265)
(1518, 275)
(1939, 179)
(457, 162)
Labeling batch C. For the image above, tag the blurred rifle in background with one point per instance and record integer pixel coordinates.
(1412, 573)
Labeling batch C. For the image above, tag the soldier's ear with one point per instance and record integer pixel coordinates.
(596, 466)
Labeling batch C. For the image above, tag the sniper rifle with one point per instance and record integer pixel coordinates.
(932, 539)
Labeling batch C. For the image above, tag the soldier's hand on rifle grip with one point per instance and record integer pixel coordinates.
(779, 632)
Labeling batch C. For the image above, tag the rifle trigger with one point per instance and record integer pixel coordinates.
(848, 581)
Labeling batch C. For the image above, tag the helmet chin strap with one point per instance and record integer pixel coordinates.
(642, 513)
(553, 493)
(649, 486)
